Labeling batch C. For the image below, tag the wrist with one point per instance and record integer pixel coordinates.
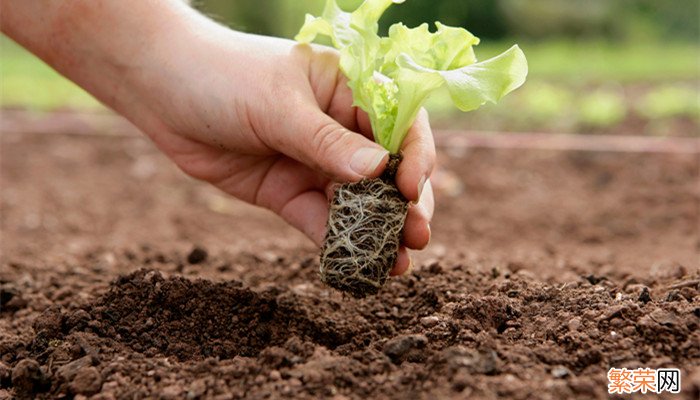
(186, 66)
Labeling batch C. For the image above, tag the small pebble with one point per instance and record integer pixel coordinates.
(171, 392)
(275, 375)
(574, 324)
(197, 389)
(673, 295)
(294, 382)
(560, 372)
(396, 347)
(429, 321)
(629, 330)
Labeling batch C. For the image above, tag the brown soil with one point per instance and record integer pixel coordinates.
(121, 278)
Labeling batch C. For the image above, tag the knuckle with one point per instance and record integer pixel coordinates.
(327, 137)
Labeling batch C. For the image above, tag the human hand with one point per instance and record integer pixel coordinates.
(271, 122)
(266, 120)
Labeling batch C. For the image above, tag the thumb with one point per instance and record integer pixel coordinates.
(323, 144)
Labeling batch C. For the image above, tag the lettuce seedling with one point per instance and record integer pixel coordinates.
(390, 78)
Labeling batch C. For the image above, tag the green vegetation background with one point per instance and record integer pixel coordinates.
(593, 63)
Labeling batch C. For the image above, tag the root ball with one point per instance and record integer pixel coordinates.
(364, 232)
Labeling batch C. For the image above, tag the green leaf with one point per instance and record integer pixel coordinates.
(470, 87)
(487, 81)
(448, 48)
(391, 77)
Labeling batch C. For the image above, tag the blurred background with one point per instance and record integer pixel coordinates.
(596, 66)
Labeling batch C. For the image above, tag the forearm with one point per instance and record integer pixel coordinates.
(102, 45)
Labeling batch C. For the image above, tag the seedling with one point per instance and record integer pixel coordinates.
(390, 78)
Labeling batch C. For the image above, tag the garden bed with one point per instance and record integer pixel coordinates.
(125, 279)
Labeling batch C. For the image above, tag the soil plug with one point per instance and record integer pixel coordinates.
(364, 232)
(390, 78)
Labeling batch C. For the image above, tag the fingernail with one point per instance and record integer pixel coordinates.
(421, 184)
(366, 160)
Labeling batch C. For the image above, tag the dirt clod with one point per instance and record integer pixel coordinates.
(397, 348)
(70, 370)
(11, 299)
(28, 378)
(49, 324)
(594, 280)
(78, 319)
(87, 381)
(197, 255)
(5, 375)
(7, 293)
(199, 319)
(483, 361)
(644, 296)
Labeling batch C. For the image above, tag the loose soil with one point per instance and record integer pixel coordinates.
(122, 278)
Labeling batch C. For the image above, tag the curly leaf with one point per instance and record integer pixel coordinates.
(391, 77)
